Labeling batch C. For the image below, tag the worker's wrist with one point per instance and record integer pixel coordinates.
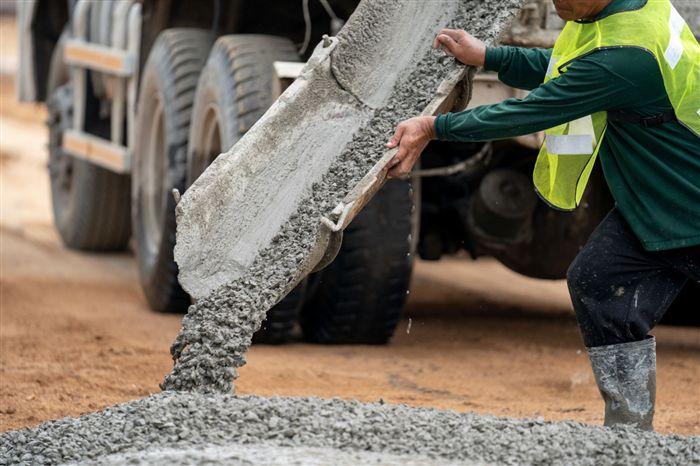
(430, 127)
(492, 58)
(439, 126)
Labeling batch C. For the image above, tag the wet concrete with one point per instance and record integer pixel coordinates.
(217, 330)
(268, 455)
(194, 426)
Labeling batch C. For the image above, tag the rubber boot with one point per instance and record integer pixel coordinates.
(626, 377)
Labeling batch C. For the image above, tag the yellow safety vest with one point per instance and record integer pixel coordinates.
(569, 151)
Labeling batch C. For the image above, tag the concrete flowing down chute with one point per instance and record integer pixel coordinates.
(239, 204)
(272, 209)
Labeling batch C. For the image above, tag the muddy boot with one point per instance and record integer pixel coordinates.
(626, 377)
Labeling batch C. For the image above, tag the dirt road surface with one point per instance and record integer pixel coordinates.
(76, 334)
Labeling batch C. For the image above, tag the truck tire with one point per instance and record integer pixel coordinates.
(360, 296)
(557, 236)
(164, 108)
(90, 204)
(233, 92)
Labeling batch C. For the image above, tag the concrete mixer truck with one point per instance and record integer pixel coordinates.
(143, 95)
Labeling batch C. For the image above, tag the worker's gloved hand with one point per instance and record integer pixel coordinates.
(463, 46)
(411, 137)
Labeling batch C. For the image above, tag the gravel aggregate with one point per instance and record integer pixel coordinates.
(178, 423)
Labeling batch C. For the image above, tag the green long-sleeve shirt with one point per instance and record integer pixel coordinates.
(653, 173)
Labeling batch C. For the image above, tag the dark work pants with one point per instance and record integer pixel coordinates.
(620, 290)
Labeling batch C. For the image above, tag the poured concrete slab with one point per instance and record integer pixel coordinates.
(190, 428)
(270, 455)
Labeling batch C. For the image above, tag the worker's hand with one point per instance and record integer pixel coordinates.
(412, 136)
(462, 45)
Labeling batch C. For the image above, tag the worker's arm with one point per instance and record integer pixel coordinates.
(605, 80)
(587, 87)
(518, 67)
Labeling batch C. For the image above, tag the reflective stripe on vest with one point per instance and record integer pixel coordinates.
(580, 139)
(569, 151)
(570, 145)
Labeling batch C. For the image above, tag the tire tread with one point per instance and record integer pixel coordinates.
(176, 60)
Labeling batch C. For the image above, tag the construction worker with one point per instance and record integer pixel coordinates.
(622, 84)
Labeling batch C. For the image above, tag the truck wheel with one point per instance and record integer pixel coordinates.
(234, 91)
(165, 101)
(359, 298)
(90, 204)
